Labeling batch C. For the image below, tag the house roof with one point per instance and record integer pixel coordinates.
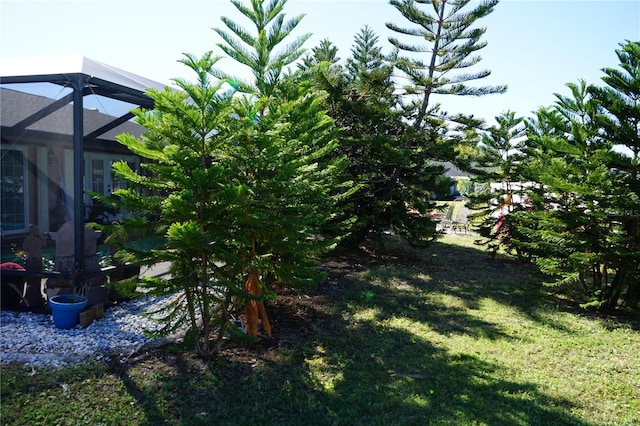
(18, 108)
(114, 82)
(26, 114)
(452, 171)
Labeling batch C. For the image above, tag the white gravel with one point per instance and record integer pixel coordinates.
(33, 339)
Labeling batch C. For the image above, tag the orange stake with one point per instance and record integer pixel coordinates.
(254, 308)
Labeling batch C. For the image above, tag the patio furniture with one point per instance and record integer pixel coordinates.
(461, 222)
(447, 221)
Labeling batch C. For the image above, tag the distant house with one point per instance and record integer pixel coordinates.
(456, 174)
(59, 118)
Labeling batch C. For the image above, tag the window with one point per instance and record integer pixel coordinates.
(13, 201)
(97, 176)
(101, 179)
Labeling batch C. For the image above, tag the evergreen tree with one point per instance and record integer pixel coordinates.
(620, 121)
(401, 164)
(498, 181)
(361, 98)
(187, 196)
(579, 227)
(452, 42)
(286, 157)
(395, 140)
(367, 60)
(247, 181)
(568, 165)
(324, 52)
(257, 50)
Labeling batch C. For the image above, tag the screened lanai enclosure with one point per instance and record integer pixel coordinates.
(59, 119)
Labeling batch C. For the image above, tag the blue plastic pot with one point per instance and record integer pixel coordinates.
(66, 308)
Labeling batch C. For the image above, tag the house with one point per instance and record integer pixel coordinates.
(59, 118)
(457, 175)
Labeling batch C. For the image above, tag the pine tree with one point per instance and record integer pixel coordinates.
(247, 182)
(452, 42)
(570, 170)
(361, 98)
(324, 52)
(257, 50)
(498, 181)
(185, 195)
(367, 59)
(579, 228)
(286, 157)
(412, 169)
(620, 121)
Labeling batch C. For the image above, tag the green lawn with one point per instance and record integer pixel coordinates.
(436, 336)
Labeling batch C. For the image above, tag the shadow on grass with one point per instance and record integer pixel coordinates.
(342, 373)
(83, 394)
(412, 382)
(508, 282)
(443, 284)
(329, 366)
(339, 356)
(470, 276)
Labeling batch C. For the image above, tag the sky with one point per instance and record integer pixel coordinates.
(534, 47)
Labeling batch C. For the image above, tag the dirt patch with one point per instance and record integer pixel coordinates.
(293, 316)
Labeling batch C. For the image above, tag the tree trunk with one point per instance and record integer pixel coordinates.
(613, 292)
(632, 297)
(255, 308)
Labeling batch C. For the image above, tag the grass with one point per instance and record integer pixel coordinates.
(435, 336)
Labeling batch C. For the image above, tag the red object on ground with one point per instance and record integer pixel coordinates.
(12, 265)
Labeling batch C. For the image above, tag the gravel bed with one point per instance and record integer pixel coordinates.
(32, 339)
